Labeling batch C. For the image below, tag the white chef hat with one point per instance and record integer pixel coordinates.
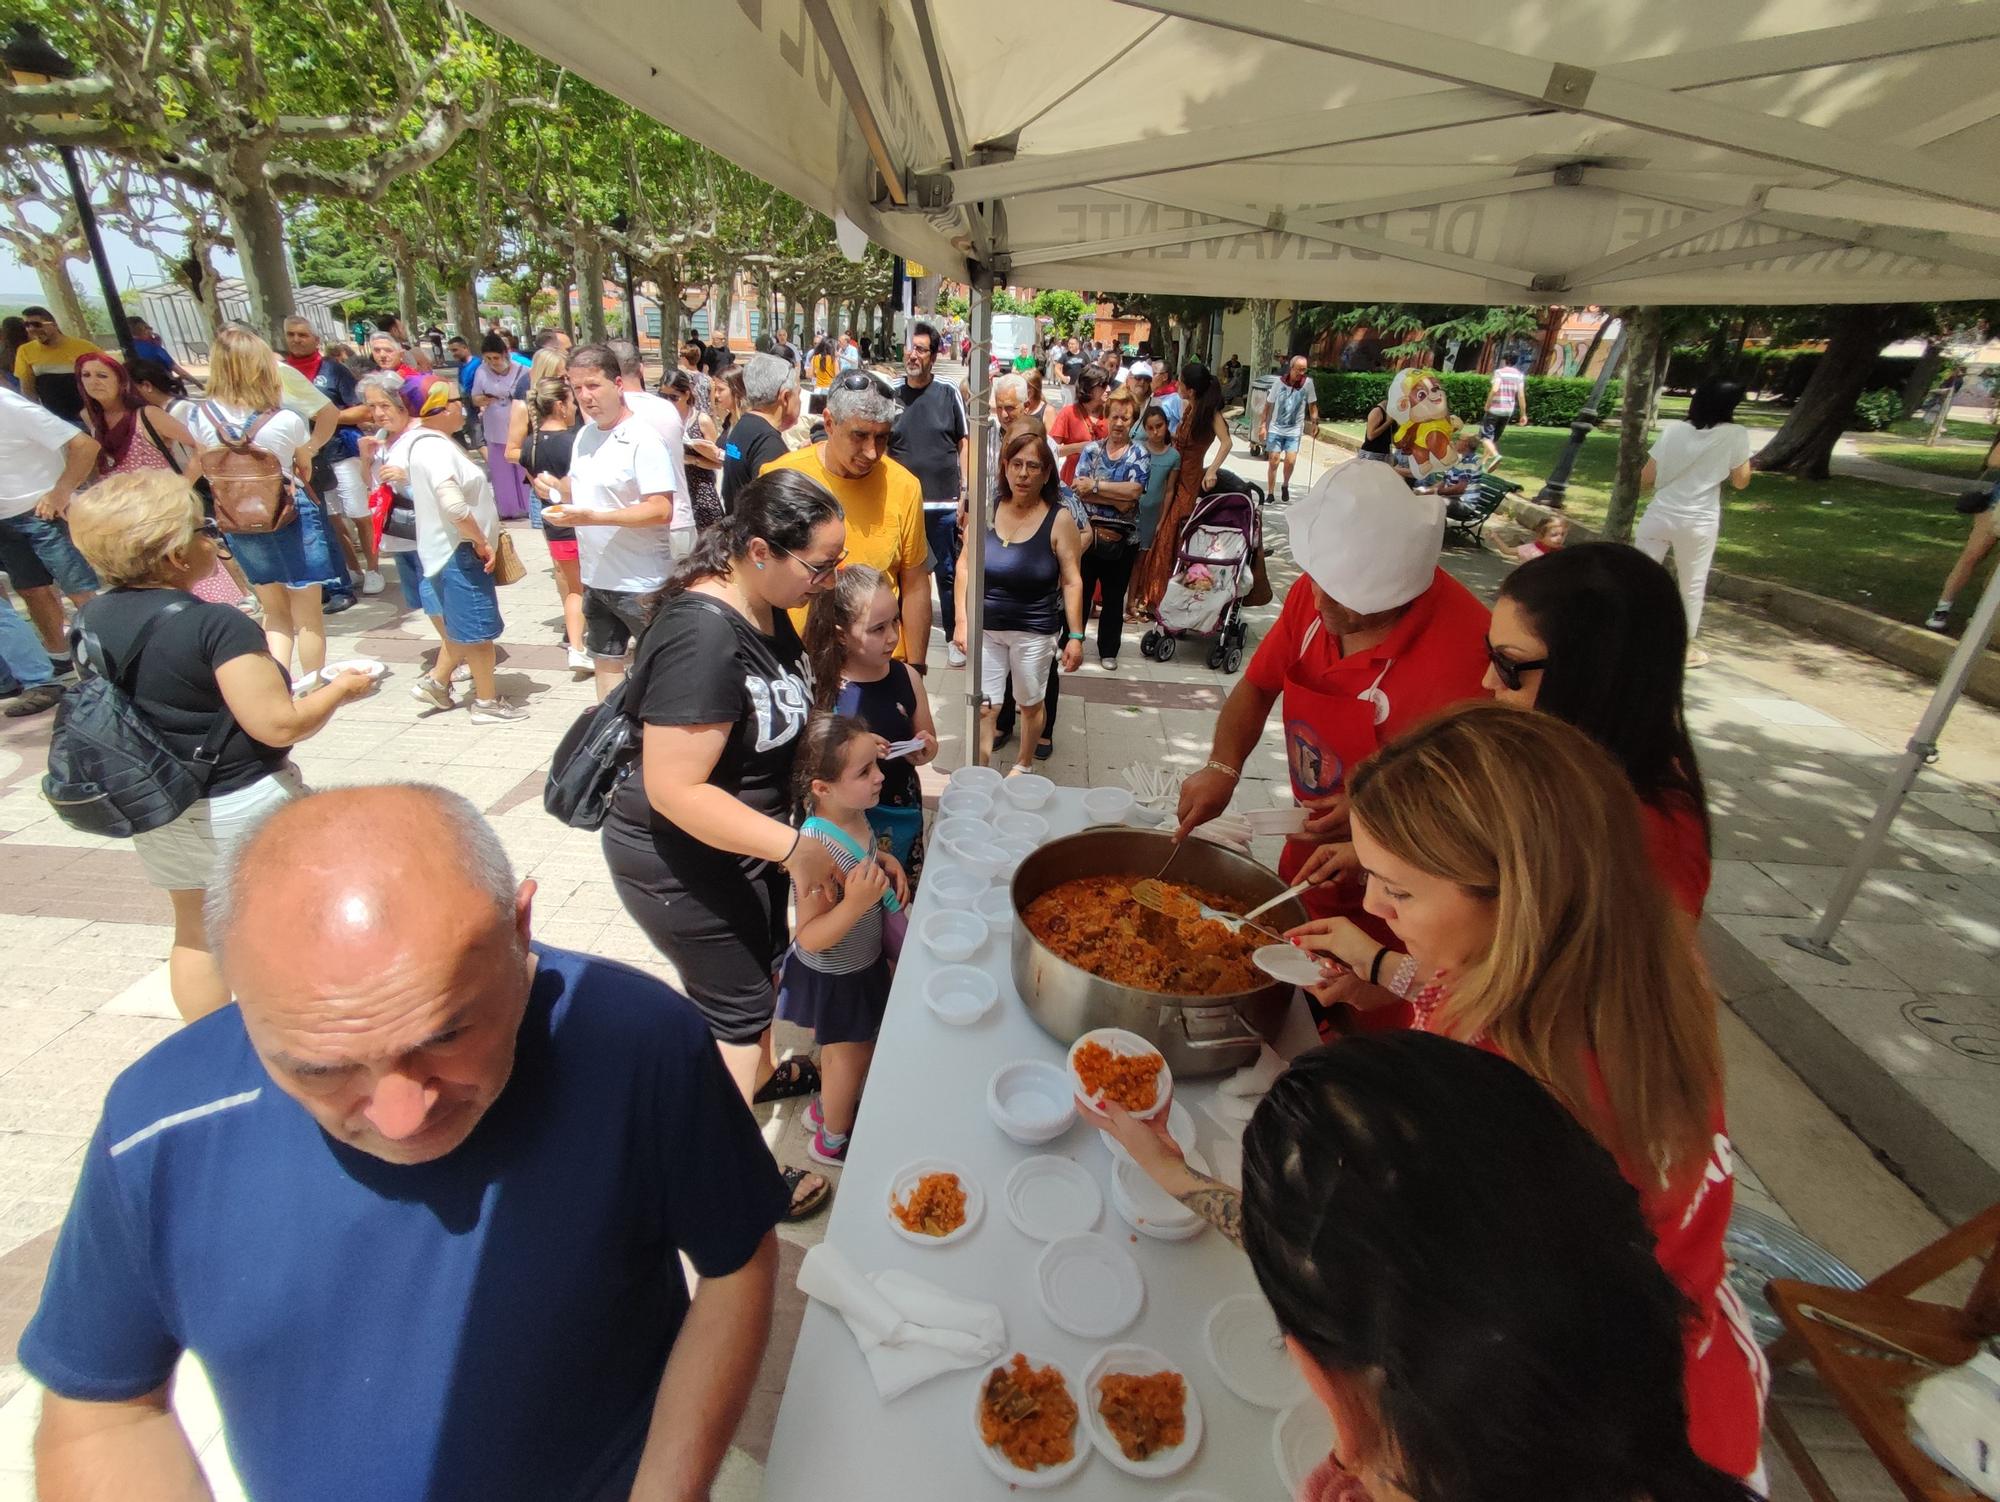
(1368, 540)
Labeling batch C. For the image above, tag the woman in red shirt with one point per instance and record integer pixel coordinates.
(1594, 635)
(1541, 939)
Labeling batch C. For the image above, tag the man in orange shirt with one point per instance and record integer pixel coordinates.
(884, 502)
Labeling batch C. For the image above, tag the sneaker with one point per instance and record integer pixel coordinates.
(581, 662)
(1109, 664)
(1697, 658)
(63, 666)
(336, 604)
(954, 657)
(496, 712)
(427, 690)
(371, 583)
(1938, 620)
(815, 1117)
(37, 700)
(820, 1152)
(461, 675)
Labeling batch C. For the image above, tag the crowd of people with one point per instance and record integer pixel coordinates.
(1518, 996)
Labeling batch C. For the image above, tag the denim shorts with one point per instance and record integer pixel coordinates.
(1281, 443)
(36, 553)
(295, 555)
(461, 592)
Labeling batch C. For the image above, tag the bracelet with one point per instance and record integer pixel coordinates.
(1073, 636)
(786, 858)
(1225, 768)
(1375, 966)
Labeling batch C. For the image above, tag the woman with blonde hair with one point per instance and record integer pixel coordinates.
(202, 676)
(549, 364)
(1553, 942)
(245, 406)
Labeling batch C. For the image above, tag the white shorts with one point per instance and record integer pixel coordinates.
(1026, 654)
(181, 856)
(352, 482)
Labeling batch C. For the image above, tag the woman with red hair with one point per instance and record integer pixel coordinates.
(133, 435)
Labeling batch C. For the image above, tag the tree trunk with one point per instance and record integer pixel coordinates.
(1918, 386)
(61, 293)
(464, 300)
(1263, 330)
(721, 304)
(1641, 395)
(1804, 445)
(527, 307)
(260, 247)
(590, 288)
(406, 284)
(565, 314)
(196, 275)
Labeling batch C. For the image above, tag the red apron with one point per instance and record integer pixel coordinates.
(1326, 737)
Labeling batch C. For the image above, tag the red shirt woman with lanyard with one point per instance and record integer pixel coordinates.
(1374, 638)
(1545, 940)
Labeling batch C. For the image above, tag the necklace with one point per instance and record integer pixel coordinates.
(1006, 542)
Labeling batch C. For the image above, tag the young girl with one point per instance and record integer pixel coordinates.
(850, 636)
(836, 978)
(1549, 537)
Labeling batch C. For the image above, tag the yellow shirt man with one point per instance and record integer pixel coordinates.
(885, 517)
(47, 372)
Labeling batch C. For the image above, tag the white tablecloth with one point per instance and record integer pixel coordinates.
(926, 1096)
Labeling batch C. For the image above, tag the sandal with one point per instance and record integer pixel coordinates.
(791, 1079)
(814, 1199)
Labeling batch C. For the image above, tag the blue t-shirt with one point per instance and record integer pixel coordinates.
(1288, 408)
(152, 349)
(492, 1324)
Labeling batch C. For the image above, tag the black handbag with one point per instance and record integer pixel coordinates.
(1975, 502)
(110, 772)
(595, 755)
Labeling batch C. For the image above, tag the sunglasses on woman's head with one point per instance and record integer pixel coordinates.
(1508, 670)
(855, 380)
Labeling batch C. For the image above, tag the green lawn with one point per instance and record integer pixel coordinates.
(1962, 461)
(1751, 414)
(1877, 546)
(1917, 427)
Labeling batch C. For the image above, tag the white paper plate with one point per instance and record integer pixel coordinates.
(1143, 1361)
(1180, 1127)
(1119, 1041)
(1049, 1198)
(1005, 1469)
(1288, 963)
(1089, 1286)
(1248, 1353)
(1300, 1440)
(1149, 1209)
(1031, 1101)
(906, 1180)
(373, 667)
(960, 994)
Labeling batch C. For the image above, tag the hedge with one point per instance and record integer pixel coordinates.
(1781, 372)
(1553, 401)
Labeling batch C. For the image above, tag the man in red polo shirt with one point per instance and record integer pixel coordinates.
(1373, 639)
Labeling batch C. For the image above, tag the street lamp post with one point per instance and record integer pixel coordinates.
(1555, 489)
(31, 59)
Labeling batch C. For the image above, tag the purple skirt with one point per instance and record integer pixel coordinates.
(510, 483)
(837, 1008)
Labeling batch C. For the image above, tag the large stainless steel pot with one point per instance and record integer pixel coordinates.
(1197, 1035)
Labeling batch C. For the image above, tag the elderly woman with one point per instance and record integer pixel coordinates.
(206, 682)
(499, 387)
(449, 575)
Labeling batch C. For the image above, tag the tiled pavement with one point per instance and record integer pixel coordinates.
(1795, 737)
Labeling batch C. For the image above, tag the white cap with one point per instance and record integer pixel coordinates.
(1368, 540)
(1141, 368)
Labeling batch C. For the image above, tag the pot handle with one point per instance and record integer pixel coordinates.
(1226, 1037)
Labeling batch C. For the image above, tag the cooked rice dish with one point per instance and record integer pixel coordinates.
(1095, 923)
(1028, 1414)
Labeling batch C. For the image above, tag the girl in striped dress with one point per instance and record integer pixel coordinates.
(836, 977)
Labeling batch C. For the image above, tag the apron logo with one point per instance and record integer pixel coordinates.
(1316, 770)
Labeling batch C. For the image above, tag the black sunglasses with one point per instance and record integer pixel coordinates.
(857, 380)
(1509, 671)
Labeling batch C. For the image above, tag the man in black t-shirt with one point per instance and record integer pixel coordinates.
(717, 356)
(771, 390)
(930, 441)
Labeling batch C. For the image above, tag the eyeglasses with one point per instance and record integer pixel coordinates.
(210, 530)
(855, 380)
(815, 571)
(1508, 670)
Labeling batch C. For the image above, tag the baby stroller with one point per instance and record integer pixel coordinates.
(1212, 575)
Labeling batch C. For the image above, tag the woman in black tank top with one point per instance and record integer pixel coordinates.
(1377, 431)
(545, 456)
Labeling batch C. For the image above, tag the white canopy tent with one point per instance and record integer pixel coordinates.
(1569, 151)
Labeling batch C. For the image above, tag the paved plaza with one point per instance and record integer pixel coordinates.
(1796, 739)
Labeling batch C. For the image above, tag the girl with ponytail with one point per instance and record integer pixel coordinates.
(700, 838)
(1467, 1283)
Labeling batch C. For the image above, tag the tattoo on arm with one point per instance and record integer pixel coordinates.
(1219, 1205)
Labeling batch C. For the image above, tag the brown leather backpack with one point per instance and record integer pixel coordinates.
(251, 489)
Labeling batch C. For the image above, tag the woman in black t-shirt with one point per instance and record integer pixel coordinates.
(700, 841)
(190, 662)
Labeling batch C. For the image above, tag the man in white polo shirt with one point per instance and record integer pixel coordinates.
(664, 418)
(620, 495)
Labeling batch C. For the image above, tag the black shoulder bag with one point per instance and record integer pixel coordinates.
(110, 772)
(596, 755)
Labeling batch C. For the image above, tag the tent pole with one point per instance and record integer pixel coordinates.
(972, 551)
(1921, 751)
